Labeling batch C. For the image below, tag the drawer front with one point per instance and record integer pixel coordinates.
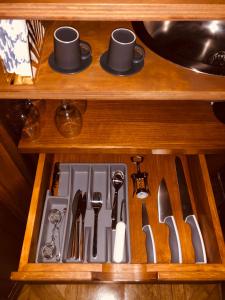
(157, 166)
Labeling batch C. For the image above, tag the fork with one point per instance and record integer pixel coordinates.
(96, 204)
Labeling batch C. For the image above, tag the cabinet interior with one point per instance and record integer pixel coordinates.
(164, 109)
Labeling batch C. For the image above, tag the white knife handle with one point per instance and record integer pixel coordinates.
(119, 243)
(174, 240)
(149, 244)
(197, 240)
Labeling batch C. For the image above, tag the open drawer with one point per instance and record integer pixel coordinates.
(157, 166)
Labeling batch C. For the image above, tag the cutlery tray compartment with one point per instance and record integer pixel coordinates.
(89, 178)
(51, 237)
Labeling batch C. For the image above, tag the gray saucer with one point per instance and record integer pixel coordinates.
(136, 67)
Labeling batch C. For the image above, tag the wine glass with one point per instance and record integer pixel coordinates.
(68, 119)
(81, 105)
(23, 118)
(31, 128)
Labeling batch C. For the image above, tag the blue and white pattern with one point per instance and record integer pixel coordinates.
(14, 47)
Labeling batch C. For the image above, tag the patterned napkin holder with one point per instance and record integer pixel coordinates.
(20, 48)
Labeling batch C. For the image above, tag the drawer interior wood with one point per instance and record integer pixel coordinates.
(216, 167)
(157, 166)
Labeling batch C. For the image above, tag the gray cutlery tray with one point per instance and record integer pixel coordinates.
(88, 178)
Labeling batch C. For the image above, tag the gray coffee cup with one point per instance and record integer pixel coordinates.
(67, 48)
(122, 48)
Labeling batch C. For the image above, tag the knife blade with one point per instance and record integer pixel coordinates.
(83, 213)
(149, 241)
(76, 247)
(188, 215)
(73, 230)
(166, 216)
(55, 179)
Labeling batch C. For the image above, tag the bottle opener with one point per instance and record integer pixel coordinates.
(140, 179)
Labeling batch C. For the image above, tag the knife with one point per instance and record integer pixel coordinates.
(149, 241)
(188, 215)
(76, 245)
(83, 213)
(73, 231)
(119, 243)
(55, 179)
(166, 216)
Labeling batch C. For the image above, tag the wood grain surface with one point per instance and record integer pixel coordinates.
(158, 167)
(15, 192)
(113, 10)
(16, 189)
(12, 148)
(158, 80)
(200, 184)
(135, 126)
(216, 165)
(36, 207)
(122, 292)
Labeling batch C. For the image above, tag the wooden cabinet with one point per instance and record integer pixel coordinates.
(164, 109)
(15, 192)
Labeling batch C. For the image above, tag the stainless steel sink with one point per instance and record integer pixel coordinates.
(199, 46)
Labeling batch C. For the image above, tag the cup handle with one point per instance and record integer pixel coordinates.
(139, 54)
(85, 50)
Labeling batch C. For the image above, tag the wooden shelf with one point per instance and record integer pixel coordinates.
(159, 79)
(113, 9)
(135, 127)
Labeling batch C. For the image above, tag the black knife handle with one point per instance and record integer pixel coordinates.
(174, 240)
(71, 240)
(149, 244)
(77, 239)
(94, 248)
(114, 210)
(81, 242)
(197, 240)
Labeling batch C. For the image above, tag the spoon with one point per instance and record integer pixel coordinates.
(117, 181)
(49, 249)
(55, 217)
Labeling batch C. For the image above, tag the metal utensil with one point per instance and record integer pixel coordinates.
(54, 216)
(82, 240)
(117, 181)
(96, 203)
(149, 242)
(55, 179)
(74, 230)
(172, 40)
(166, 216)
(76, 245)
(140, 179)
(119, 243)
(48, 251)
(188, 215)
